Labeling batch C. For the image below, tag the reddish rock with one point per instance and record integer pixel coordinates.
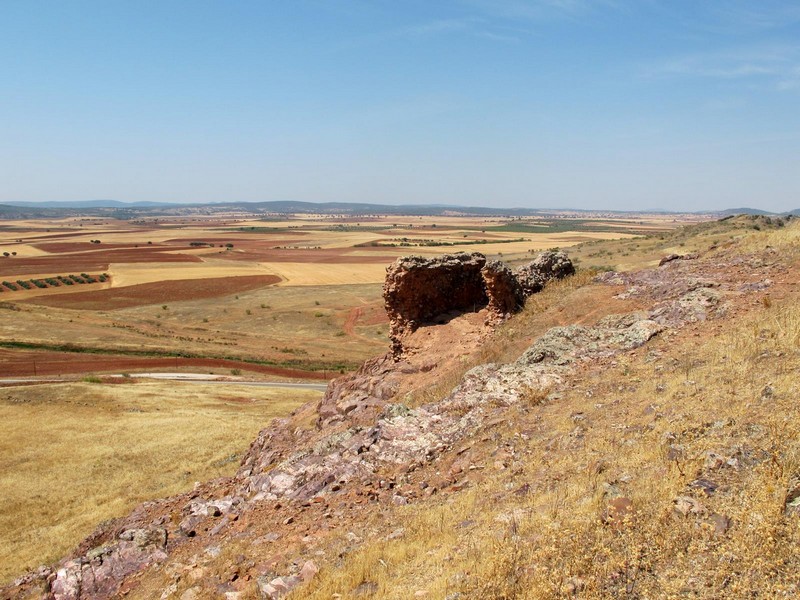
(502, 289)
(418, 289)
(618, 511)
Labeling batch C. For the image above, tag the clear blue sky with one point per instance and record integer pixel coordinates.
(616, 104)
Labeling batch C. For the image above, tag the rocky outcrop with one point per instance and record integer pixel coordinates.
(504, 292)
(408, 438)
(420, 290)
(358, 395)
(670, 257)
(553, 264)
(97, 573)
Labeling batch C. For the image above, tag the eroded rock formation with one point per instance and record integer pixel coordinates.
(502, 288)
(422, 290)
(418, 289)
(552, 264)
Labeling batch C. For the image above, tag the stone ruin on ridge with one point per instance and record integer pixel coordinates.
(419, 291)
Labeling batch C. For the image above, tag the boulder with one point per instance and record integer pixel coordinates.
(552, 264)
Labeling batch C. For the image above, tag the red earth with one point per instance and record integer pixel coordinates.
(98, 260)
(23, 363)
(156, 293)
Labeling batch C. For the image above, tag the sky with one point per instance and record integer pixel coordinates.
(590, 104)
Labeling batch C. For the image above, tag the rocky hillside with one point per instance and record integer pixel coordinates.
(623, 435)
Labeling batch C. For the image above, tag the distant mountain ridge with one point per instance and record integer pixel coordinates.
(87, 204)
(120, 208)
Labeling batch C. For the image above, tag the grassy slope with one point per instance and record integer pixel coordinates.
(72, 455)
(644, 427)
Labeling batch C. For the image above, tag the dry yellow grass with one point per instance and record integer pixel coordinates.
(610, 436)
(310, 274)
(72, 455)
(645, 427)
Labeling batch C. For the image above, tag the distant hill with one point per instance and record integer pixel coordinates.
(127, 210)
(744, 211)
(88, 204)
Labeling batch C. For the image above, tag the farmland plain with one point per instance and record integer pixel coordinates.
(283, 291)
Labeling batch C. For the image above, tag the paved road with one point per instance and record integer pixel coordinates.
(187, 377)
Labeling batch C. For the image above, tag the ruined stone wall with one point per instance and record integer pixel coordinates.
(418, 289)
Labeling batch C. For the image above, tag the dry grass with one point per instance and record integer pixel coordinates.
(611, 436)
(646, 426)
(72, 455)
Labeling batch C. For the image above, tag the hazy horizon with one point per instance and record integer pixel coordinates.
(574, 104)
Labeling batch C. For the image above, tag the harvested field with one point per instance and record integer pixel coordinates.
(126, 274)
(308, 273)
(156, 293)
(317, 256)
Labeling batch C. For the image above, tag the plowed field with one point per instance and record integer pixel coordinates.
(156, 293)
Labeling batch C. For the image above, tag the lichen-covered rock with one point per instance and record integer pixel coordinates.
(98, 573)
(564, 345)
(360, 395)
(552, 264)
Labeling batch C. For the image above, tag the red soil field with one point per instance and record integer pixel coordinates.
(157, 292)
(99, 260)
(62, 247)
(29, 363)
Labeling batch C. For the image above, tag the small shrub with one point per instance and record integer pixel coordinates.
(236, 372)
